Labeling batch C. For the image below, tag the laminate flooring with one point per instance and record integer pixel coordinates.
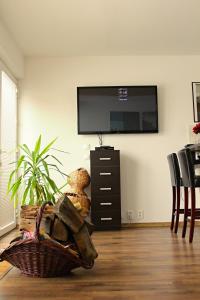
(148, 263)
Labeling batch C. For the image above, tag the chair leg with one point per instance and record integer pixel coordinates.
(173, 206)
(193, 207)
(185, 211)
(177, 208)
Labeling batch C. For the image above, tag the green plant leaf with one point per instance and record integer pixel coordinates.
(19, 162)
(48, 194)
(57, 169)
(26, 171)
(30, 164)
(26, 192)
(35, 180)
(52, 183)
(40, 159)
(15, 187)
(47, 148)
(31, 202)
(61, 187)
(53, 200)
(57, 159)
(41, 197)
(10, 180)
(33, 157)
(16, 201)
(34, 183)
(60, 150)
(13, 162)
(25, 148)
(25, 166)
(12, 186)
(45, 167)
(37, 145)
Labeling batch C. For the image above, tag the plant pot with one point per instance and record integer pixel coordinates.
(28, 216)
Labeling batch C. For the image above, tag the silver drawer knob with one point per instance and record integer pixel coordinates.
(106, 219)
(105, 189)
(106, 203)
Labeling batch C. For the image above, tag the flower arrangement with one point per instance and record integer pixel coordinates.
(196, 128)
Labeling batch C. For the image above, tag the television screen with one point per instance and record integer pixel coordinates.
(117, 109)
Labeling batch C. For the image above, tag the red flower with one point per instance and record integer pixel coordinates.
(196, 128)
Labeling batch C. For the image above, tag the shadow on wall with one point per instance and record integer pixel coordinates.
(130, 170)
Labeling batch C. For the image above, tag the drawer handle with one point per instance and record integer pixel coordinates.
(106, 203)
(106, 219)
(105, 174)
(104, 158)
(105, 189)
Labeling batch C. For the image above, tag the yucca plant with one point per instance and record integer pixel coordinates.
(33, 169)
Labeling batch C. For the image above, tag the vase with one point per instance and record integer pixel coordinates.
(197, 138)
(77, 182)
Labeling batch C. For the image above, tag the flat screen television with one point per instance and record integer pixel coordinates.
(117, 109)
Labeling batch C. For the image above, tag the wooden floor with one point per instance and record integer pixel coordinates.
(132, 264)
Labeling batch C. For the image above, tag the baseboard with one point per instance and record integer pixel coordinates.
(145, 225)
(153, 224)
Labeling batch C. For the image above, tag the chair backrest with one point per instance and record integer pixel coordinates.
(174, 169)
(187, 167)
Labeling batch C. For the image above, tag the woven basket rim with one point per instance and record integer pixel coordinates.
(65, 250)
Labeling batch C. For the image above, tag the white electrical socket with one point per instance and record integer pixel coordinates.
(129, 215)
(140, 214)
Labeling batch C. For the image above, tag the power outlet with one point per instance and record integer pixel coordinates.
(140, 214)
(129, 215)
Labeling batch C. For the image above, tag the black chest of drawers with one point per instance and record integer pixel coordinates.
(105, 189)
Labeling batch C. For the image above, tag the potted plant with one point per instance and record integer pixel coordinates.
(34, 183)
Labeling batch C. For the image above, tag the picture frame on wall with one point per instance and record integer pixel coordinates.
(196, 100)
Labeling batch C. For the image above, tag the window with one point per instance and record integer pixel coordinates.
(8, 140)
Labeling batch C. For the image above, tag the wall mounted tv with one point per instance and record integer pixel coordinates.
(117, 109)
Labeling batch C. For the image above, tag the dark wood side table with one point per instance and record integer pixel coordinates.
(105, 189)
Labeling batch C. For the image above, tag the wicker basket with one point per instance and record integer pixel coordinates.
(41, 257)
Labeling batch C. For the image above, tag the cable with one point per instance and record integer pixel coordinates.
(100, 139)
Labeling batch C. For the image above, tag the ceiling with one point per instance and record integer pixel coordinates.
(103, 27)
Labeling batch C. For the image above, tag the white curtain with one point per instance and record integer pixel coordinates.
(8, 139)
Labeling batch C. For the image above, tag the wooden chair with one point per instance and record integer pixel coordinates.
(191, 181)
(176, 183)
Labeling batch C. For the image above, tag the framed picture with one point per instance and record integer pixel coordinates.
(196, 100)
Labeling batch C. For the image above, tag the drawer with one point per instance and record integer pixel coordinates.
(105, 189)
(105, 175)
(104, 157)
(105, 203)
(107, 218)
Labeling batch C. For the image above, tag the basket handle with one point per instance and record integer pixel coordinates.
(39, 218)
(1, 251)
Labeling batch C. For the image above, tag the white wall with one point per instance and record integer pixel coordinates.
(48, 106)
(10, 54)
